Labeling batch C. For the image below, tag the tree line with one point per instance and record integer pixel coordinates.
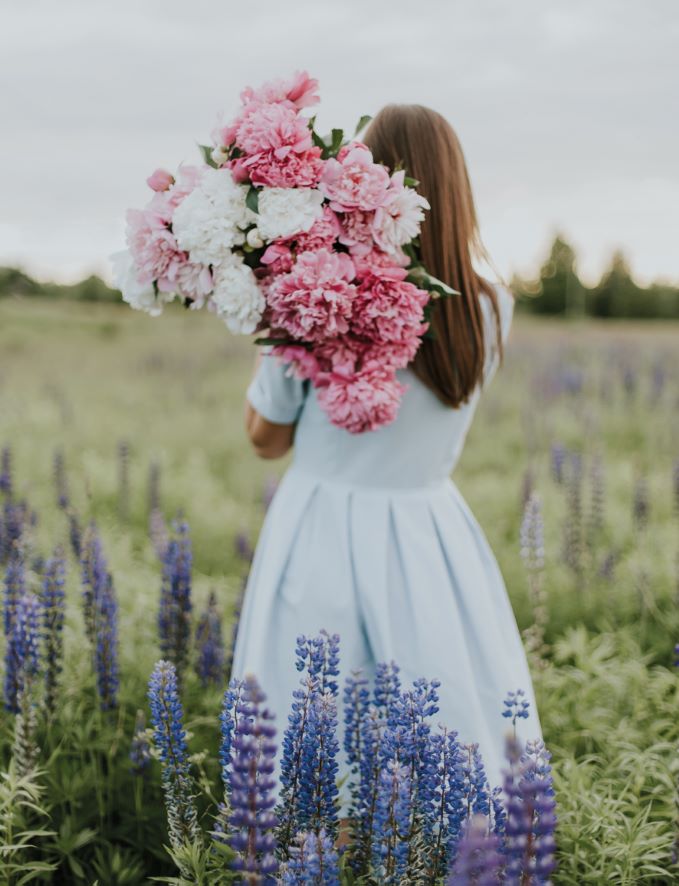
(557, 290)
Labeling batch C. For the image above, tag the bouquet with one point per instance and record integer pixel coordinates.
(306, 236)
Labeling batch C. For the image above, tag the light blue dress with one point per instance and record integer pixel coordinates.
(368, 537)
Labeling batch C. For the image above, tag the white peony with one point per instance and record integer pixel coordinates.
(284, 212)
(236, 295)
(398, 220)
(140, 296)
(211, 219)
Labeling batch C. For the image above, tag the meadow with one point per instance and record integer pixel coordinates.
(581, 427)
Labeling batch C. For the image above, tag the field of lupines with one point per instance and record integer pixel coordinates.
(130, 507)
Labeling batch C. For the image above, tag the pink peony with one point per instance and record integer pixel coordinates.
(278, 257)
(299, 90)
(357, 232)
(153, 248)
(160, 180)
(292, 171)
(363, 403)
(353, 180)
(323, 233)
(164, 203)
(193, 281)
(388, 309)
(275, 128)
(397, 221)
(314, 300)
(302, 360)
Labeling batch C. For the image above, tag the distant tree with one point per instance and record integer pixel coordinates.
(558, 289)
(617, 295)
(15, 282)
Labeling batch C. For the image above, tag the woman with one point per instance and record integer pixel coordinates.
(367, 536)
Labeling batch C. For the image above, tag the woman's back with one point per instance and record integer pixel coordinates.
(420, 448)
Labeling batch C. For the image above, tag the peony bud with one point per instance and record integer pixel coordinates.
(161, 180)
(220, 155)
(254, 239)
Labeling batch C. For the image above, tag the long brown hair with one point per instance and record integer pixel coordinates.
(421, 141)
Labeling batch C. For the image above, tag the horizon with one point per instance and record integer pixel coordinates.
(562, 113)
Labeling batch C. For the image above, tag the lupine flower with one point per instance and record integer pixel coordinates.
(676, 656)
(313, 861)
(476, 790)
(607, 568)
(532, 534)
(447, 812)
(158, 533)
(390, 844)
(60, 480)
(597, 496)
(533, 555)
(573, 528)
(6, 471)
(167, 717)
(123, 479)
(140, 747)
(22, 659)
(516, 706)
(174, 617)
(252, 820)
(227, 719)
(210, 645)
(53, 605)
(641, 505)
(15, 519)
(479, 860)
(75, 534)
(629, 381)
(243, 547)
(94, 578)
(106, 650)
(529, 829)
(356, 703)
(559, 455)
(15, 583)
(310, 746)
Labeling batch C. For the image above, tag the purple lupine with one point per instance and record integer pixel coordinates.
(629, 381)
(356, 704)
(475, 790)
(227, 719)
(243, 547)
(22, 653)
(516, 706)
(15, 585)
(123, 479)
(676, 656)
(167, 717)
(313, 861)
(75, 535)
(140, 747)
(252, 821)
(53, 612)
(60, 482)
(310, 745)
(391, 832)
(641, 503)
(174, 615)
(479, 858)
(447, 813)
(532, 535)
(529, 829)
(597, 497)
(6, 471)
(106, 647)
(607, 566)
(573, 528)
(559, 454)
(15, 519)
(209, 644)
(94, 572)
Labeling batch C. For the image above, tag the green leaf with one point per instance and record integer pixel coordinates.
(422, 278)
(252, 199)
(318, 141)
(362, 123)
(410, 182)
(206, 151)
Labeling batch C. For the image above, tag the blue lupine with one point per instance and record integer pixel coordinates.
(243, 547)
(15, 518)
(75, 535)
(516, 706)
(391, 834)
(94, 572)
(476, 790)
(227, 719)
(676, 656)
(479, 859)
(356, 703)
(529, 829)
(53, 611)
(6, 471)
(310, 745)
(167, 717)
(559, 454)
(252, 821)
(15, 584)
(210, 662)
(106, 647)
(498, 813)
(531, 535)
(140, 747)
(313, 861)
(174, 616)
(22, 654)
(447, 812)
(60, 480)
(387, 686)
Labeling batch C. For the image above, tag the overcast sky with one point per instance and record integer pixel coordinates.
(567, 110)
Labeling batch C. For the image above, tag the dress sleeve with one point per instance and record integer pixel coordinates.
(274, 392)
(505, 303)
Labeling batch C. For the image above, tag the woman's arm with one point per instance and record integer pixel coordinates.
(269, 439)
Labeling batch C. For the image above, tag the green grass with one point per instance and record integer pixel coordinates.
(81, 379)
